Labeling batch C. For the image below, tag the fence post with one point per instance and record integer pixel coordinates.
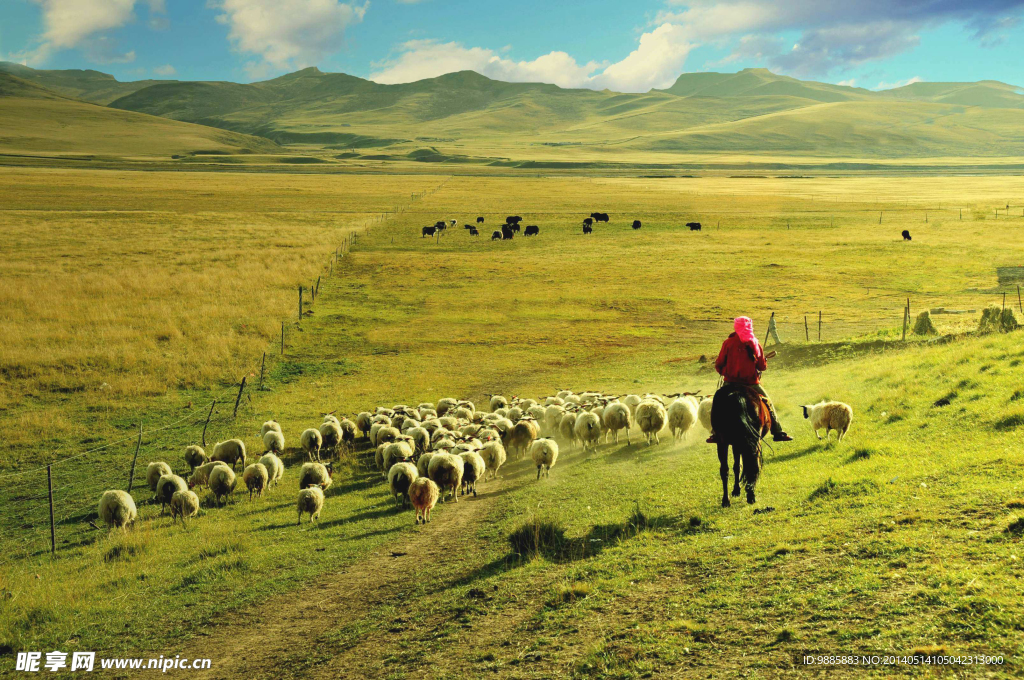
(318, 284)
(239, 397)
(879, 217)
(908, 308)
(262, 366)
(807, 332)
(819, 325)
(138, 445)
(207, 423)
(300, 303)
(906, 312)
(49, 492)
(282, 338)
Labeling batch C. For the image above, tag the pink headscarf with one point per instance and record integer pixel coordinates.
(744, 328)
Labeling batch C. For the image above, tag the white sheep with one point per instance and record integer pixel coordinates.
(445, 405)
(617, 416)
(184, 504)
(830, 415)
(587, 429)
(494, 456)
(316, 474)
(275, 468)
(363, 422)
(473, 469)
(117, 508)
(311, 501)
(704, 412)
(273, 441)
(420, 438)
(423, 494)
(311, 441)
(498, 401)
(269, 426)
(682, 415)
(348, 431)
(166, 486)
(156, 470)
(222, 482)
(446, 469)
(567, 428)
(231, 452)
(651, 418)
(544, 452)
(552, 418)
(255, 477)
(631, 401)
(423, 462)
(195, 456)
(331, 435)
(387, 434)
(522, 436)
(396, 452)
(400, 478)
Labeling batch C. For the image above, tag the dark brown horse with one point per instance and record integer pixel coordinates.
(740, 418)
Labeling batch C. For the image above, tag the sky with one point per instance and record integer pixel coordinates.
(621, 45)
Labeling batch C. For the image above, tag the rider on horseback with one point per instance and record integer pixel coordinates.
(741, 361)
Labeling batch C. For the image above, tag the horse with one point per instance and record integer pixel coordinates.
(740, 418)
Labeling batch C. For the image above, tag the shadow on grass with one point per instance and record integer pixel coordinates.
(793, 455)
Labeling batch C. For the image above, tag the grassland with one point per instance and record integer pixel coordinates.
(902, 536)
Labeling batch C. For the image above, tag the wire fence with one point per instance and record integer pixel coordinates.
(49, 507)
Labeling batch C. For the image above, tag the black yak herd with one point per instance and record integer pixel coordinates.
(512, 226)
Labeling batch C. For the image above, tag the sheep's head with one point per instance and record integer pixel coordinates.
(330, 468)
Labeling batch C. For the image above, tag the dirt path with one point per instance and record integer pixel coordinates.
(281, 633)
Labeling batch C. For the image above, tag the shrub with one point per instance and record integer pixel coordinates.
(924, 325)
(537, 537)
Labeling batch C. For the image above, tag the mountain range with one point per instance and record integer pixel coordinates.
(466, 114)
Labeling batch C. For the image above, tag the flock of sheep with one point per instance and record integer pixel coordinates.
(511, 227)
(433, 451)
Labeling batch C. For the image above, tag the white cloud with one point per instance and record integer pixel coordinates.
(899, 83)
(852, 82)
(656, 62)
(288, 33)
(165, 70)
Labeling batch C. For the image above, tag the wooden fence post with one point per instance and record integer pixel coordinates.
(49, 492)
(819, 325)
(807, 332)
(262, 366)
(131, 473)
(239, 397)
(879, 218)
(300, 303)
(906, 311)
(318, 285)
(282, 338)
(207, 423)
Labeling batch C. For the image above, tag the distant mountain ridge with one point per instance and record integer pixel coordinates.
(752, 111)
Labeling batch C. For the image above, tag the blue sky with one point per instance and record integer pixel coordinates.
(625, 46)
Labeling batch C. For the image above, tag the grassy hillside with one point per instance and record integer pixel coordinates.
(39, 121)
(88, 85)
(906, 535)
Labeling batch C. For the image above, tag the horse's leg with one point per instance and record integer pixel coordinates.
(736, 467)
(723, 471)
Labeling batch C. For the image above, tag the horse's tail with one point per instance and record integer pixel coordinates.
(751, 463)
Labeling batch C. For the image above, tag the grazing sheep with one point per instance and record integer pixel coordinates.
(631, 401)
(374, 429)
(515, 414)
(316, 474)
(446, 470)
(446, 404)
(617, 417)
(423, 494)
(494, 456)
(386, 435)
(539, 414)
(906, 235)
(587, 429)
(184, 504)
(330, 436)
(423, 462)
(231, 452)
(273, 441)
(166, 486)
(682, 414)
(256, 478)
(522, 436)
(270, 425)
(311, 501)
(544, 452)
(567, 427)
(830, 415)
(311, 440)
(704, 412)
(420, 438)
(201, 475)
(396, 452)
(195, 456)
(637, 224)
(156, 470)
(473, 469)
(117, 508)
(222, 482)
(651, 418)
(400, 478)
(498, 401)
(331, 418)
(275, 468)
(348, 431)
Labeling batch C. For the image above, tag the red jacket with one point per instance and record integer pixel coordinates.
(735, 364)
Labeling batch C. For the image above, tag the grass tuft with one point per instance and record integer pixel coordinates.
(1016, 527)
(568, 593)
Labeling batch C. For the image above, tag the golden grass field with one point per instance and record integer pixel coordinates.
(169, 286)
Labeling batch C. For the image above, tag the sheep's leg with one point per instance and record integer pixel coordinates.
(723, 471)
(299, 523)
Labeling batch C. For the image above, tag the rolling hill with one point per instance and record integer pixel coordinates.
(39, 121)
(753, 112)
